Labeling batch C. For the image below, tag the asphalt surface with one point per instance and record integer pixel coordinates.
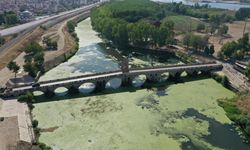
(22, 27)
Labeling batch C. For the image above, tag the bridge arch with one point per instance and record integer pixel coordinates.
(139, 80)
(153, 77)
(38, 93)
(87, 88)
(114, 83)
(164, 76)
(61, 91)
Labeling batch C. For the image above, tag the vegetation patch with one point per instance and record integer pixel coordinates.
(186, 23)
(237, 113)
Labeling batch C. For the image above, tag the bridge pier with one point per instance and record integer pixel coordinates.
(100, 86)
(49, 93)
(73, 89)
(153, 78)
(205, 72)
(126, 81)
(174, 76)
(192, 73)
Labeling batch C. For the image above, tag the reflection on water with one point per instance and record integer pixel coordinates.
(61, 91)
(95, 56)
(221, 135)
(230, 6)
(114, 83)
(87, 88)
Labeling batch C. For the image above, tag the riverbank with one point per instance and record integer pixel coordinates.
(237, 109)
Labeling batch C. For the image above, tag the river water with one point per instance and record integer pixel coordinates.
(230, 6)
(173, 116)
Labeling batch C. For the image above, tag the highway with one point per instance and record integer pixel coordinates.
(22, 27)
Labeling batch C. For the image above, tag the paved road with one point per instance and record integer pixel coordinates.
(235, 77)
(22, 27)
(116, 73)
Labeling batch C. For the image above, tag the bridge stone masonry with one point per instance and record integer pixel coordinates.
(153, 74)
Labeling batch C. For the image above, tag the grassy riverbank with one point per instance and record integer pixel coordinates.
(237, 109)
(186, 115)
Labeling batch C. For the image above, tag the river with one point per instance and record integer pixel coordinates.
(171, 116)
(230, 6)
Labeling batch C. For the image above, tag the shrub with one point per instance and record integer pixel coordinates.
(28, 98)
(34, 123)
(43, 146)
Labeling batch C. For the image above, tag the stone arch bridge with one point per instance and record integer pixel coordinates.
(100, 79)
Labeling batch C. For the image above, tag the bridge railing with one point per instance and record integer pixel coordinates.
(170, 66)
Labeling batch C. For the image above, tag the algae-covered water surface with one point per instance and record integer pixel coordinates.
(187, 116)
(179, 116)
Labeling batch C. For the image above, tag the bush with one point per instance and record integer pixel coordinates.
(43, 146)
(225, 82)
(34, 123)
(28, 98)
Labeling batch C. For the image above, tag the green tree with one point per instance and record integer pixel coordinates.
(229, 48)
(248, 71)
(34, 59)
(12, 66)
(223, 30)
(242, 13)
(244, 42)
(33, 48)
(30, 68)
(225, 81)
(34, 123)
(11, 19)
(211, 50)
(28, 98)
(71, 26)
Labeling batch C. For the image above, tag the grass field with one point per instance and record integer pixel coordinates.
(186, 116)
(185, 23)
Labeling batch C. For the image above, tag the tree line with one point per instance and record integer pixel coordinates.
(34, 60)
(236, 49)
(213, 15)
(8, 18)
(135, 23)
(198, 43)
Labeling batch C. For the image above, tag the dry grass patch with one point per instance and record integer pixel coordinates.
(243, 103)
